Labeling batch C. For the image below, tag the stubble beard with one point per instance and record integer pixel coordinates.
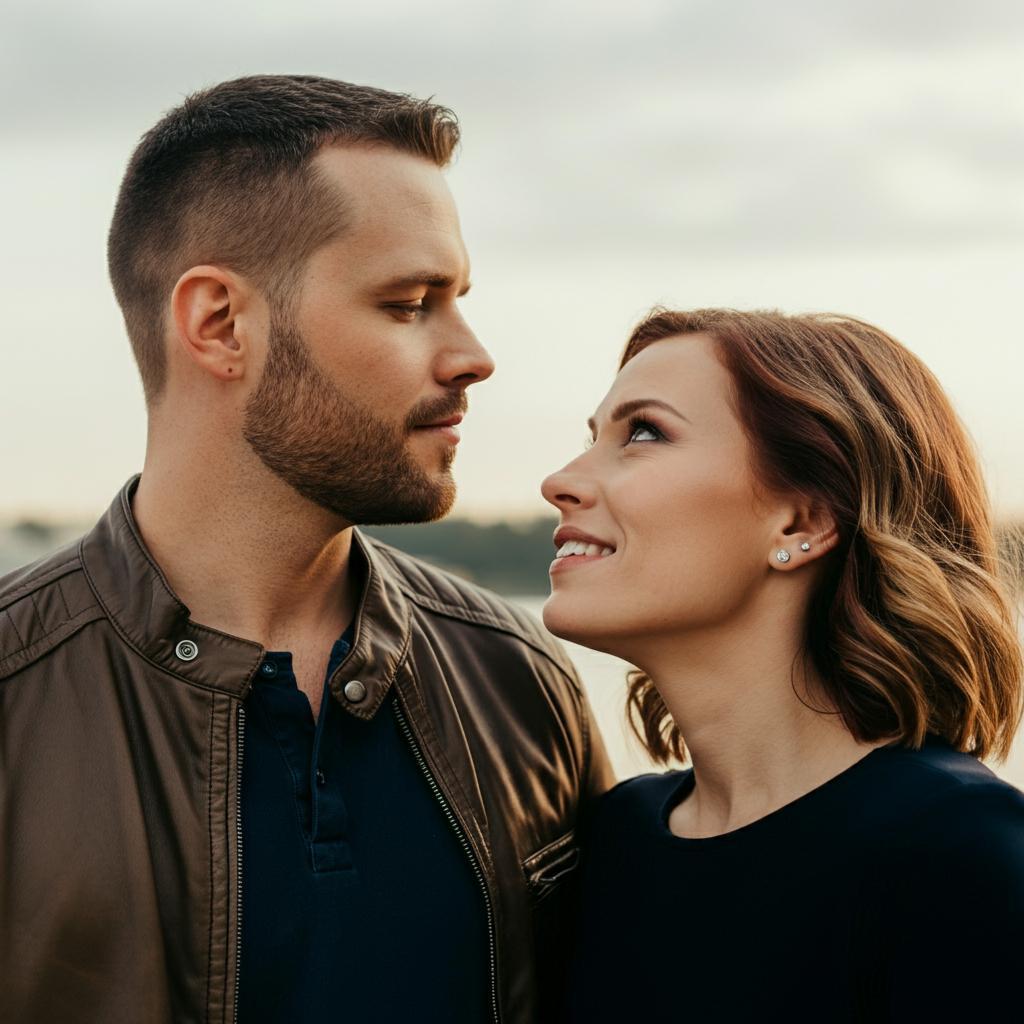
(337, 453)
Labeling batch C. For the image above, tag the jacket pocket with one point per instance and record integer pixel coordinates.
(546, 869)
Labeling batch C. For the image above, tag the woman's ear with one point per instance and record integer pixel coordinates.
(807, 532)
(204, 308)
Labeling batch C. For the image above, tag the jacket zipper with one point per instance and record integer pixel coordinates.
(460, 834)
(238, 853)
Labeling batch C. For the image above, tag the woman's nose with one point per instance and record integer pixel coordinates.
(567, 489)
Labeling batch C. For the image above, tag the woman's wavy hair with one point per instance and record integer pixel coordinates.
(910, 627)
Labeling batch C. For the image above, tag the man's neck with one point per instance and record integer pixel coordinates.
(249, 557)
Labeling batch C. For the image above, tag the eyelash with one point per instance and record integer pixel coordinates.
(412, 311)
(634, 424)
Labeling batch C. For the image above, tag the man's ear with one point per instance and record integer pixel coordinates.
(806, 531)
(205, 309)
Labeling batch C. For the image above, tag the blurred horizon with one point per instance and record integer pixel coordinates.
(863, 158)
(510, 558)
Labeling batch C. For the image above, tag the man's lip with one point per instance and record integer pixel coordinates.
(567, 533)
(452, 421)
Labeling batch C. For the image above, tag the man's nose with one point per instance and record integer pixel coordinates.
(466, 361)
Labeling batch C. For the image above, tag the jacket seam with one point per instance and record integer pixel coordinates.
(38, 582)
(371, 709)
(232, 950)
(531, 863)
(488, 621)
(438, 752)
(125, 527)
(209, 831)
(35, 611)
(56, 629)
(41, 648)
(63, 599)
(145, 657)
(10, 619)
(584, 720)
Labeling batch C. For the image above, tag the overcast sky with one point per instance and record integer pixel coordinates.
(861, 157)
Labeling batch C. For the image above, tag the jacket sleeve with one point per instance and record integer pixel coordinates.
(556, 918)
(598, 776)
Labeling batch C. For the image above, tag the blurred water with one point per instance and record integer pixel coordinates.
(604, 679)
(603, 676)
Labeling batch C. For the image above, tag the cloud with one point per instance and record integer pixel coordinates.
(640, 124)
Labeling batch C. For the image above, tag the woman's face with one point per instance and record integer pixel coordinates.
(668, 487)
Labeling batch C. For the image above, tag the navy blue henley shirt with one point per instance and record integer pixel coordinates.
(358, 902)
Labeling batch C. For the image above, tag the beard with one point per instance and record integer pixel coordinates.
(338, 453)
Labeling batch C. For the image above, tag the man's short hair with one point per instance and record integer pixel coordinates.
(225, 178)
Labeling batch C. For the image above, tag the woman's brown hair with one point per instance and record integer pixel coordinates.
(910, 628)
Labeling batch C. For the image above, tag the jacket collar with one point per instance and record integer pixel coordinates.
(151, 618)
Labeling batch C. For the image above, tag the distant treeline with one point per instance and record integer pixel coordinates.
(511, 558)
(514, 558)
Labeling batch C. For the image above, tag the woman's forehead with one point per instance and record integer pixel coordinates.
(677, 369)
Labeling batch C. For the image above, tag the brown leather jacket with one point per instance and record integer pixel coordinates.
(122, 746)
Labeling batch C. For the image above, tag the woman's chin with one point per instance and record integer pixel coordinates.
(576, 623)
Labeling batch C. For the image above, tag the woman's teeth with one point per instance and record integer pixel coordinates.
(577, 547)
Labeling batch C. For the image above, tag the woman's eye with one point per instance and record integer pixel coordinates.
(640, 430)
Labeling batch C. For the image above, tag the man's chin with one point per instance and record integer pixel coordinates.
(444, 499)
(427, 505)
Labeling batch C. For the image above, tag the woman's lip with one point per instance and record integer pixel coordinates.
(562, 564)
(567, 533)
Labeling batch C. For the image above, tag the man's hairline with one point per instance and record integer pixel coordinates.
(283, 295)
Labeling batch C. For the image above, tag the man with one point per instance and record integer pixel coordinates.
(257, 766)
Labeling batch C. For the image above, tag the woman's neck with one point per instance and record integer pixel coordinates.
(757, 724)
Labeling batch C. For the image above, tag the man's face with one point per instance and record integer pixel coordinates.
(366, 375)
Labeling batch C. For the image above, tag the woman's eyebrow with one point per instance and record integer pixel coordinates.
(620, 412)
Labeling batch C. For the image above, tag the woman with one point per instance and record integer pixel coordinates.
(782, 524)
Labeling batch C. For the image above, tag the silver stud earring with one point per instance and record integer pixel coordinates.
(782, 555)
(805, 546)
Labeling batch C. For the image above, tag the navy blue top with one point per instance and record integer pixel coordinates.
(894, 892)
(358, 902)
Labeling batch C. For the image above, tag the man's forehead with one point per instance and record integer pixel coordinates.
(367, 175)
(399, 212)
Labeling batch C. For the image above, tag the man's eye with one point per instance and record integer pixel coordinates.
(406, 310)
(641, 430)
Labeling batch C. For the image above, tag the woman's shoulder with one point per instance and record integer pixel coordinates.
(936, 776)
(950, 808)
(949, 873)
(642, 797)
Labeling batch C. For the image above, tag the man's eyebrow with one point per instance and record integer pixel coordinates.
(429, 278)
(620, 412)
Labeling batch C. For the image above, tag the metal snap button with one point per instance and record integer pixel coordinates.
(187, 650)
(268, 668)
(355, 691)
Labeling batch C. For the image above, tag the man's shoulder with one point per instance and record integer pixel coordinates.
(442, 593)
(41, 604)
